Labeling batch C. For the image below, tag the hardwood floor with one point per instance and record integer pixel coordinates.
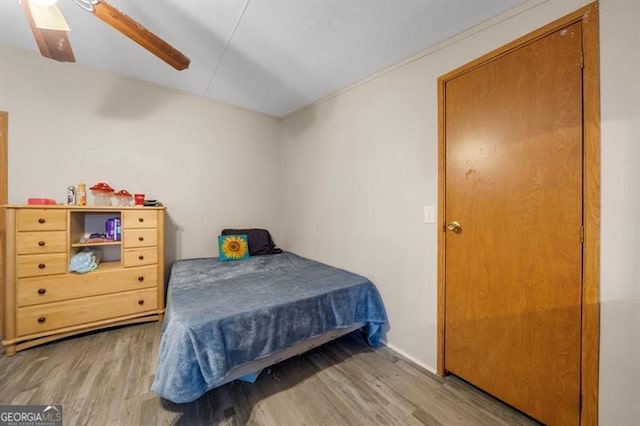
(104, 379)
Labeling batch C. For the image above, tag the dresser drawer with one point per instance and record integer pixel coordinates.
(139, 257)
(41, 220)
(139, 219)
(140, 238)
(35, 265)
(33, 291)
(41, 242)
(51, 316)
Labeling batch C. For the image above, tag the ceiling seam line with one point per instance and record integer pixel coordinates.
(226, 47)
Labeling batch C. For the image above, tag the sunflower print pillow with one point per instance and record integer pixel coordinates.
(233, 247)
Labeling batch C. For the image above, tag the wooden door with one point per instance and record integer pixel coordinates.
(3, 200)
(513, 271)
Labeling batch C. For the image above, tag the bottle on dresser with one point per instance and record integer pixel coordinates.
(82, 194)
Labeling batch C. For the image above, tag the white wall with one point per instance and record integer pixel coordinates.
(620, 253)
(211, 164)
(360, 166)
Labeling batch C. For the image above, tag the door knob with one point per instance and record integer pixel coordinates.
(454, 227)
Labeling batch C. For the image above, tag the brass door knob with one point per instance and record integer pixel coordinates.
(454, 226)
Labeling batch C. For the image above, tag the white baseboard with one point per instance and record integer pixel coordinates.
(411, 358)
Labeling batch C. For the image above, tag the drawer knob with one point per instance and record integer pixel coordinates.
(141, 219)
(141, 302)
(140, 278)
(42, 290)
(41, 220)
(41, 266)
(41, 243)
(41, 320)
(141, 257)
(140, 238)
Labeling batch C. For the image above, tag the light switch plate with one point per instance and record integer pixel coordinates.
(429, 214)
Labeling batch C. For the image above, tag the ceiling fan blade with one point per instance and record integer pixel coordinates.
(53, 43)
(136, 32)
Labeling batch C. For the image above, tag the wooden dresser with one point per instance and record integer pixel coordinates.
(45, 302)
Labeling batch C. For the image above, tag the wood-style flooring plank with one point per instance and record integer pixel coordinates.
(105, 377)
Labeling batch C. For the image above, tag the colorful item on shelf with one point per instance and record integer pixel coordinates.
(40, 201)
(86, 260)
(139, 199)
(81, 195)
(101, 186)
(124, 197)
(71, 195)
(113, 229)
(102, 193)
(95, 238)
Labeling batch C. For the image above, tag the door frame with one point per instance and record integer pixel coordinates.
(590, 337)
(4, 188)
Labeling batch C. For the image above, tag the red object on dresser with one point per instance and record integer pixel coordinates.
(40, 201)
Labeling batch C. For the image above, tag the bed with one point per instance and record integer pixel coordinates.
(228, 320)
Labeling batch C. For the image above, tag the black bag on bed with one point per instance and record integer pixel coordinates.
(260, 242)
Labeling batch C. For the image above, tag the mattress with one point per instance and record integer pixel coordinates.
(222, 317)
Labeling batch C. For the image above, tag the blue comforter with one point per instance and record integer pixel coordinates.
(222, 315)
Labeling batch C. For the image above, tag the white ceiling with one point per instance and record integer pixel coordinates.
(272, 56)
